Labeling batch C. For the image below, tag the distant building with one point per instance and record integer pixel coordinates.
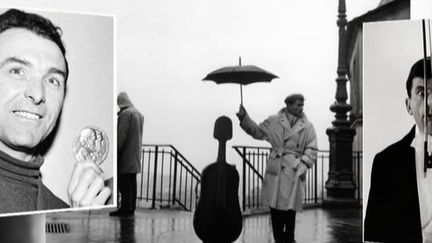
(386, 10)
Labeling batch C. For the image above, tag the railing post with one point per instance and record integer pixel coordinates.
(244, 178)
(154, 177)
(322, 178)
(315, 168)
(175, 177)
(358, 175)
(253, 178)
(185, 190)
(142, 171)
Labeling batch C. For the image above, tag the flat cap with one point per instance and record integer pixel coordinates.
(290, 99)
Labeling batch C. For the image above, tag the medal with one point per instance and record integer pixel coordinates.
(91, 144)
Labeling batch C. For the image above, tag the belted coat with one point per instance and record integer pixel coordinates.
(293, 146)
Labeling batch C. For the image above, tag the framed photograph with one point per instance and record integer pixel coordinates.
(58, 112)
(393, 78)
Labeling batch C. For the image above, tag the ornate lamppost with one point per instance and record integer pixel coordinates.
(340, 185)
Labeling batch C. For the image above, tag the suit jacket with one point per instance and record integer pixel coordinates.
(393, 211)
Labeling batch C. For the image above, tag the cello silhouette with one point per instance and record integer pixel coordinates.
(218, 218)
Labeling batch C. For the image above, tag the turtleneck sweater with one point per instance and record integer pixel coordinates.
(21, 187)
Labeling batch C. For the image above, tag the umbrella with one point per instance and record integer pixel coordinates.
(242, 75)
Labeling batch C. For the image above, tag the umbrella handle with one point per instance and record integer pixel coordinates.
(241, 94)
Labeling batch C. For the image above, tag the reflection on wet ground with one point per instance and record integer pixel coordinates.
(163, 226)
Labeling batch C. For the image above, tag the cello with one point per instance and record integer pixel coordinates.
(218, 217)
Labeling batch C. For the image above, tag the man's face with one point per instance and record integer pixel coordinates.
(32, 86)
(415, 104)
(295, 109)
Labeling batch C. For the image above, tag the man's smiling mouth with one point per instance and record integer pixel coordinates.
(27, 115)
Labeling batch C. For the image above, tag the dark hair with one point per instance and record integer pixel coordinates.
(291, 99)
(41, 26)
(417, 71)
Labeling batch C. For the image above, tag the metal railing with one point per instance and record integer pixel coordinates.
(358, 174)
(167, 179)
(254, 160)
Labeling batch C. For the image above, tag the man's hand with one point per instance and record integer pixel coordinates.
(301, 170)
(242, 113)
(86, 186)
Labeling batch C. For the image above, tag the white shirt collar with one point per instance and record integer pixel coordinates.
(417, 142)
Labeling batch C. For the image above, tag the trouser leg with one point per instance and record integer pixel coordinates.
(118, 191)
(133, 179)
(122, 187)
(277, 225)
(127, 187)
(289, 222)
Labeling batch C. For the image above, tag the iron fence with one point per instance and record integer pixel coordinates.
(254, 160)
(167, 179)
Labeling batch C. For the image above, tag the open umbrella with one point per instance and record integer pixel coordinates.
(242, 75)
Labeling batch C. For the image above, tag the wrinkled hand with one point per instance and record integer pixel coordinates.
(86, 186)
(242, 112)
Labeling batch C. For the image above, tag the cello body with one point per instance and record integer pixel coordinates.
(218, 218)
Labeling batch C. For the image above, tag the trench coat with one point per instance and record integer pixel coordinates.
(293, 146)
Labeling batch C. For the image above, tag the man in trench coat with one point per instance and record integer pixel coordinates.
(294, 150)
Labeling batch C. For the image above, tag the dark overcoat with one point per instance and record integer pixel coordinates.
(129, 136)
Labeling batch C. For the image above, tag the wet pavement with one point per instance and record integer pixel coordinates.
(163, 226)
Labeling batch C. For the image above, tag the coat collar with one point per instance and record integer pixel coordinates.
(298, 126)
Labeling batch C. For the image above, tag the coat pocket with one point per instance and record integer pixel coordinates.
(273, 167)
(289, 173)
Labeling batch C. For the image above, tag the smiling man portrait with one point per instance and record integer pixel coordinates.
(33, 84)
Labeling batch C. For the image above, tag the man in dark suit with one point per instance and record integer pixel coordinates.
(399, 208)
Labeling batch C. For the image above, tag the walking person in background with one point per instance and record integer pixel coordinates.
(294, 150)
(129, 142)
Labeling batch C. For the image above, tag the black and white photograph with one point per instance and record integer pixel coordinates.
(233, 121)
(396, 176)
(57, 111)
